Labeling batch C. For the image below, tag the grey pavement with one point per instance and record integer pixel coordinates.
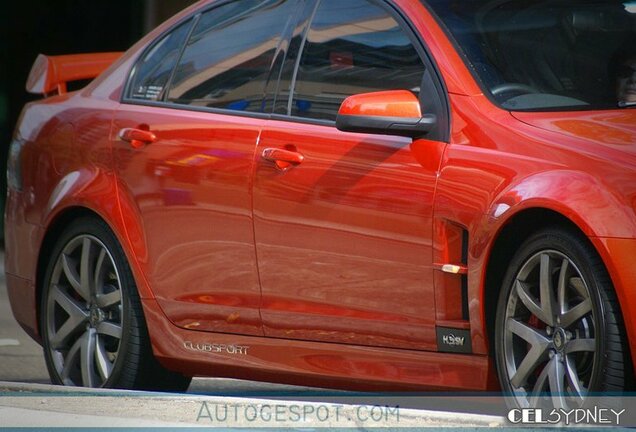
(20, 357)
(33, 405)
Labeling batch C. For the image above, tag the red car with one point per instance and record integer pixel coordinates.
(364, 194)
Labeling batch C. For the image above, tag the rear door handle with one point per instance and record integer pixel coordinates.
(137, 137)
(284, 159)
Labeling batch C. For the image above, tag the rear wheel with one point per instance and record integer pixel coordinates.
(92, 324)
(559, 334)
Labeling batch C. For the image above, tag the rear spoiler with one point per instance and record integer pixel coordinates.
(51, 73)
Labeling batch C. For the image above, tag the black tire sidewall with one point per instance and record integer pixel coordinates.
(129, 342)
(585, 258)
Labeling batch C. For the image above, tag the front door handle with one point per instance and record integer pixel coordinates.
(137, 137)
(284, 159)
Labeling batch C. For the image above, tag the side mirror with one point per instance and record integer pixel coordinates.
(395, 112)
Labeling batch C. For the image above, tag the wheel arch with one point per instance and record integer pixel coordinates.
(572, 200)
(147, 373)
(514, 231)
(52, 233)
(511, 235)
(55, 226)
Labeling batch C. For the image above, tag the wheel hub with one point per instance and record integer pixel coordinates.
(559, 339)
(96, 316)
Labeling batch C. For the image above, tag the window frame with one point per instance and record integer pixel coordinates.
(163, 103)
(439, 92)
(127, 91)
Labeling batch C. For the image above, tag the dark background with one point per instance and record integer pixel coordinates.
(30, 27)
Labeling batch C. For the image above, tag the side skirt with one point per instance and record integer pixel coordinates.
(197, 353)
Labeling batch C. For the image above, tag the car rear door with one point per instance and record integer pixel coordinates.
(343, 221)
(184, 140)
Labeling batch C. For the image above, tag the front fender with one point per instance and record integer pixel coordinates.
(578, 196)
(608, 220)
(485, 204)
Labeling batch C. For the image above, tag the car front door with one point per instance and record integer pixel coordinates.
(343, 221)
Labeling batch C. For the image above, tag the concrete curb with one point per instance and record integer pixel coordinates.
(40, 405)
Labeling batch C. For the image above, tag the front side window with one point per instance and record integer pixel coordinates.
(547, 55)
(227, 60)
(352, 47)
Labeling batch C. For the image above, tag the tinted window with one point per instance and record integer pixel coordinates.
(352, 47)
(548, 55)
(227, 60)
(153, 70)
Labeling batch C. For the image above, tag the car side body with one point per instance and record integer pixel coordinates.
(333, 271)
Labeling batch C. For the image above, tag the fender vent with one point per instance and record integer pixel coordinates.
(464, 277)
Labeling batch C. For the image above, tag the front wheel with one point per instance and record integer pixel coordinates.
(91, 321)
(558, 332)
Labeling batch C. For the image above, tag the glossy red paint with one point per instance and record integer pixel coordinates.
(52, 73)
(311, 363)
(279, 235)
(190, 194)
(330, 230)
(395, 103)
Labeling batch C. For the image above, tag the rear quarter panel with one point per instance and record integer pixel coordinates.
(66, 165)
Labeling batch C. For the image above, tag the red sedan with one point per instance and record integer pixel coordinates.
(364, 194)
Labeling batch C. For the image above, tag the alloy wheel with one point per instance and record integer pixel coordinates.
(550, 344)
(84, 316)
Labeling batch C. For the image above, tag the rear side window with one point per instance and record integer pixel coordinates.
(227, 60)
(152, 72)
(352, 46)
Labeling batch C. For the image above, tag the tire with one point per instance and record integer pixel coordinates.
(92, 324)
(559, 336)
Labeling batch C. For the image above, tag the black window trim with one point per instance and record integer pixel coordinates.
(292, 84)
(193, 25)
(163, 103)
(211, 110)
(125, 98)
(388, 5)
(444, 114)
(276, 73)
